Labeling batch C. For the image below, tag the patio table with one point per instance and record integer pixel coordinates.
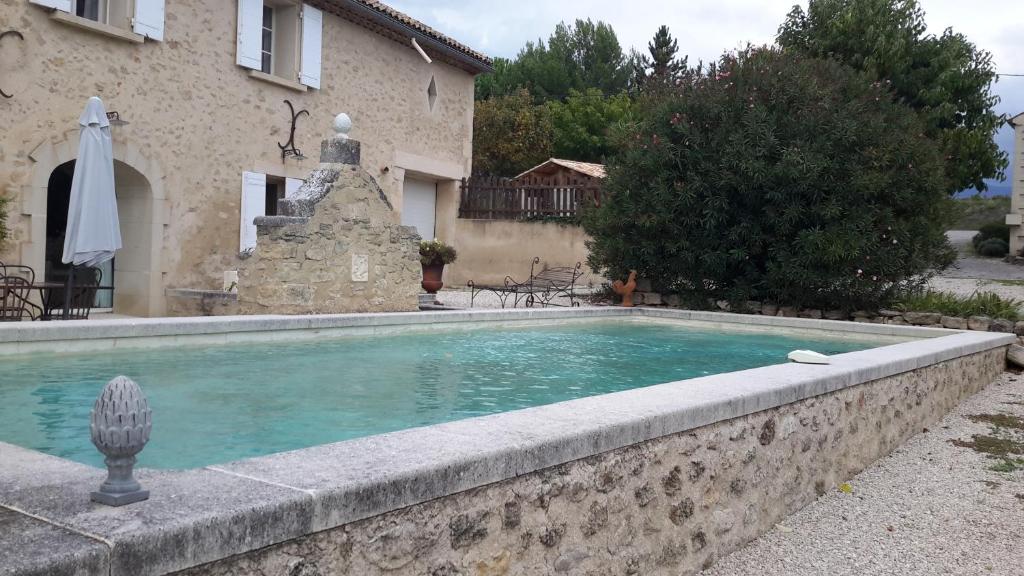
(44, 288)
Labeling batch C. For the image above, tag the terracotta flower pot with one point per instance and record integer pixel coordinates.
(432, 277)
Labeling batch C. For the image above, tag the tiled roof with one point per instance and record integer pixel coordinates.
(586, 168)
(396, 25)
(406, 19)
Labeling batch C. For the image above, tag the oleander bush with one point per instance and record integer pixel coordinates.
(977, 304)
(776, 177)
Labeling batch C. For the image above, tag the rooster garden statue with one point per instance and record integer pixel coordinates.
(626, 290)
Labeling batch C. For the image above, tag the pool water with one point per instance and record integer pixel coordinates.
(222, 403)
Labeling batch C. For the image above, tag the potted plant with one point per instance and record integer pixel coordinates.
(434, 254)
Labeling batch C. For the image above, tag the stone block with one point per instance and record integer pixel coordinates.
(835, 315)
(769, 309)
(787, 312)
(980, 323)
(752, 307)
(1018, 328)
(954, 323)
(1015, 355)
(890, 313)
(652, 299)
(895, 320)
(340, 151)
(922, 318)
(1001, 325)
(673, 300)
(723, 305)
(862, 314)
(811, 313)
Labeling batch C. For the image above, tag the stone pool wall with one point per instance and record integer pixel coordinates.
(671, 505)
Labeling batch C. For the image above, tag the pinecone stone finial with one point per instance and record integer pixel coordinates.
(120, 425)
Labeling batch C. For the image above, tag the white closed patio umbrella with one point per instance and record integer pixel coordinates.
(93, 232)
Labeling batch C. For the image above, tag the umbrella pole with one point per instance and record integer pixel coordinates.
(67, 292)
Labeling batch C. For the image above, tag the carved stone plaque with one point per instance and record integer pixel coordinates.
(360, 268)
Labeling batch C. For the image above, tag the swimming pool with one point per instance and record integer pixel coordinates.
(215, 404)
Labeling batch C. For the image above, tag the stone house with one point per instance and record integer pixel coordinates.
(204, 137)
(1017, 191)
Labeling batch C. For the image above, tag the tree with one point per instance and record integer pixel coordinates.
(585, 55)
(510, 135)
(774, 176)
(946, 78)
(582, 122)
(665, 67)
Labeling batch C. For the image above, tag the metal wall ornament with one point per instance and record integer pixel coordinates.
(120, 424)
(3, 35)
(288, 148)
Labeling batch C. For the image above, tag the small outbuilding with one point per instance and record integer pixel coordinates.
(556, 171)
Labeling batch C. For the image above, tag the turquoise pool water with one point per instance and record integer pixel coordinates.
(218, 404)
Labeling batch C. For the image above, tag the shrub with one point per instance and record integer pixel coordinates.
(992, 230)
(436, 252)
(977, 304)
(993, 247)
(776, 177)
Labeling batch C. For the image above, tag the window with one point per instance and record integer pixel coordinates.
(275, 192)
(267, 47)
(432, 93)
(133, 20)
(91, 9)
(280, 38)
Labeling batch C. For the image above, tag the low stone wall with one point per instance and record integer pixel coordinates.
(188, 302)
(893, 317)
(671, 505)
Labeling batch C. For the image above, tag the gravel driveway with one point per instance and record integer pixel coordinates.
(929, 508)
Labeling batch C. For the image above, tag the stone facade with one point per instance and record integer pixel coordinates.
(196, 121)
(339, 247)
(1014, 218)
(669, 506)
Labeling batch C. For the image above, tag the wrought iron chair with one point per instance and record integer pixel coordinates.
(83, 296)
(33, 310)
(14, 292)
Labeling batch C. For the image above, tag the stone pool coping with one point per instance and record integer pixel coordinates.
(196, 516)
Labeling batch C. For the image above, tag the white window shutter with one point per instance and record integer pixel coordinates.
(312, 45)
(62, 5)
(250, 33)
(291, 186)
(254, 204)
(149, 19)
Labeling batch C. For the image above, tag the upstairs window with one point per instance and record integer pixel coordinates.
(92, 9)
(267, 47)
(143, 17)
(281, 38)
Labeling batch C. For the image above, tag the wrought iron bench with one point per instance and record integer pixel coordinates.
(541, 287)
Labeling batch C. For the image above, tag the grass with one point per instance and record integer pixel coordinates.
(1008, 465)
(1009, 282)
(977, 304)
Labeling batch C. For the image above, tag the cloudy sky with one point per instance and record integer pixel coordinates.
(705, 28)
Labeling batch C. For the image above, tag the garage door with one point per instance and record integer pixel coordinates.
(418, 200)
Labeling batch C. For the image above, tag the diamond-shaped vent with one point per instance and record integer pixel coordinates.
(432, 93)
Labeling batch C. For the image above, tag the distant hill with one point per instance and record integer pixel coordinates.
(994, 189)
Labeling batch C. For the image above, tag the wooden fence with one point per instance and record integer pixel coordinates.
(528, 198)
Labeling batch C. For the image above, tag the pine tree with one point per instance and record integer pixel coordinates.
(664, 66)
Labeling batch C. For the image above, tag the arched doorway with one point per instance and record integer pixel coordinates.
(126, 279)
